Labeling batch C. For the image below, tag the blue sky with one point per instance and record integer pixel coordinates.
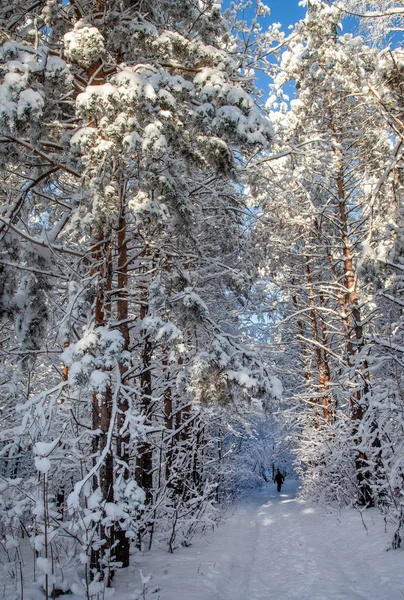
(286, 12)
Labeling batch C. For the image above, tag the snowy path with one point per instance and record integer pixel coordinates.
(275, 547)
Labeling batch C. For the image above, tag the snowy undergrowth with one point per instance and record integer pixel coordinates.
(270, 546)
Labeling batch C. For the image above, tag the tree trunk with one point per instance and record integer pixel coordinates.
(144, 460)
(101, 417)
(122, 443)
(319, 353)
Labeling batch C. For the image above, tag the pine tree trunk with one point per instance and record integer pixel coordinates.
(319, 354)
(144, 460)
(353, 347)
(101, 417)
(122, 444)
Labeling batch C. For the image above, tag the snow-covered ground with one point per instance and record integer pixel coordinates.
(272, 547)
(275, 547)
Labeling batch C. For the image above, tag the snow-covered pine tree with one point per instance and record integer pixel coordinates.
(381, 24)
(123, 126)
(332, 146)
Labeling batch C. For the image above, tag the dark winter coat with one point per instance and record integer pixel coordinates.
(279, 478)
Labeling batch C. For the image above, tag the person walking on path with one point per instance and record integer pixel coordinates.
(279, 479)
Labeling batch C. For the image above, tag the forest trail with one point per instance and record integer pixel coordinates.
(277, 547)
